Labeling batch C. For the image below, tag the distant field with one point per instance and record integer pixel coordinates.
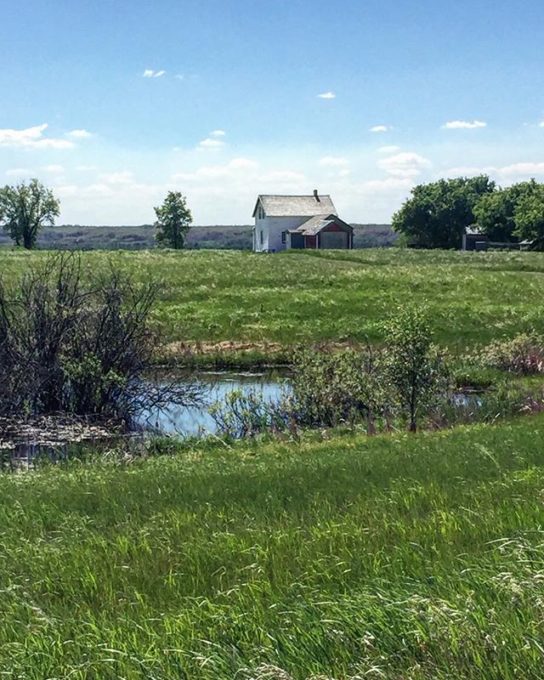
(142, 237)
(305, 297)
(393, 557)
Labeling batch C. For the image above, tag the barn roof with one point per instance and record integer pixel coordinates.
(276, 205)
(317, 223)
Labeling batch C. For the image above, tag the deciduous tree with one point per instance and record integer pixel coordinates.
(174, 220)
(495, 212)
(529, 217)
(414, 369)
(437, 214)
(25, 209)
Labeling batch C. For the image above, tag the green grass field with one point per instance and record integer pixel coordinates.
(417, 557)
(304, 297)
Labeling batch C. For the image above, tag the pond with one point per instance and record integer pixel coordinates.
(21, 442)
(197, 421)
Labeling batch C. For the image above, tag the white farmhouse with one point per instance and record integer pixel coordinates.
(298, 222)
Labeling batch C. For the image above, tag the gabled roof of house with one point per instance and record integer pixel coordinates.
(295, 206)
(317, 223)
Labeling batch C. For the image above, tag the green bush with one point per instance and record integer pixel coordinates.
(523, 355)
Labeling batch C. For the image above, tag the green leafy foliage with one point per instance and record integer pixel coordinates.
(529, 216)
(335, 388)
(495, 212)
(246, 414)
(438, 213)
(25, 209)
(414, 367)
(174, 220)
(523, 354)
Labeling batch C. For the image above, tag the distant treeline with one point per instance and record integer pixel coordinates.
(86, 237)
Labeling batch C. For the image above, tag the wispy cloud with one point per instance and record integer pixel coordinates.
(79, 134)
(389, 149)
(32, 137)
(53, 169)
(333, 162)
(505, 173)
(19, 172)
(404, 165)
(336, 166)
(380, 128)
(464, 125)
(213, 141)
(122, 177)
(210, 143)
(150, 73)
(327, 95)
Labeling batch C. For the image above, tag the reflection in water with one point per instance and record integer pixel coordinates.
(197, 420)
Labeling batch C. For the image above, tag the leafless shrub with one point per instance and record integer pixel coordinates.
(80, 345)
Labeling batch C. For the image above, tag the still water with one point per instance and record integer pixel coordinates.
(198, 421)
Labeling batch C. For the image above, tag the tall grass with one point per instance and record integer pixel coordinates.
(390, 557)
(303, 297)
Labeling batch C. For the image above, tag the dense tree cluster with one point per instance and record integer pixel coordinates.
(438, 214)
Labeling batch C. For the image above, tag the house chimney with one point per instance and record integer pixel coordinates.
(316, 195)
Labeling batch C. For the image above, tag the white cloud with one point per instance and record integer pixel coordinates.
(327, 95)
(217, 133)
(235, 167)
(19, 172)
(211, 143)
(506, 173)
(389, 149)
(467, 171)
(285, 177)
(150, 73)
(333, 162)
(404, 164)
(464, 125)
(380, 128)
(79, 134)
(387, 185)
(179, 76)
(32, 138)
(53, 169)
(522, 170)
(122, 177)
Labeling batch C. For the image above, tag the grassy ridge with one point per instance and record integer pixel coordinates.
(140, 237)
(396, 557)
(301, 297)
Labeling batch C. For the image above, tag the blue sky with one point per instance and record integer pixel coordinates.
(114, 103)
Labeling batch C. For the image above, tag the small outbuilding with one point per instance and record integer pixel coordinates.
(307, 221)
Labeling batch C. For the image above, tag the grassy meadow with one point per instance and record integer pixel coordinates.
(417, 557)
(272, 302)
(323, 556)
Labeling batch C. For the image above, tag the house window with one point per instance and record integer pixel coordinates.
(261, 237)
(284, 237)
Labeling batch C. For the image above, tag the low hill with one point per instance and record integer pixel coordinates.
(236, 237)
